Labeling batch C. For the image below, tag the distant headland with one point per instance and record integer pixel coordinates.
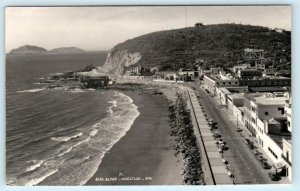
(30, 49)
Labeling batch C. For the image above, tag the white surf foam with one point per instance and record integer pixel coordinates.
(37, 164)
(35, 181)
(100, 139)
(110, 108)
(118, 123)
(66, 138)
(83, 141)
(94, 132)
(31, 91)
(79, 90)
(65, 152)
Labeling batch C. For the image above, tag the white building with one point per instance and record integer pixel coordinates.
(266, 118)
(211, 82)
(287, 157)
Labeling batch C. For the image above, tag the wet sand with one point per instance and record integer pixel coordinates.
(144, 156)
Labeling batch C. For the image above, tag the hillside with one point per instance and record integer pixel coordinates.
(66, 50)
(28, 49)
(206, 45)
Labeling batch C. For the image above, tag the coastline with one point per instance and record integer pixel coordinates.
(145, 155)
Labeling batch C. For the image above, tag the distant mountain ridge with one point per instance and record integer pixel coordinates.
(30, 49)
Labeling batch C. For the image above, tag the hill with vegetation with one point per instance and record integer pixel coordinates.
(203, 45)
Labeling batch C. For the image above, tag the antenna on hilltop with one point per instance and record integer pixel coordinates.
(185, 17)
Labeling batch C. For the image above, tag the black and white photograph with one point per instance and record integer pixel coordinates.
(148, 95)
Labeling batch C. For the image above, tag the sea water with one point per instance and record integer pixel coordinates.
(59, 137)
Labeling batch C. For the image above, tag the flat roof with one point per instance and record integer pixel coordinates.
(225, 90)
(212, 77)
(266, 98)
(289, 140)
(269, 88)
(278, 138)
(238, 89)
(249, 69)
(237, 95)
(241, 108)
(165, 72)
(270, 100)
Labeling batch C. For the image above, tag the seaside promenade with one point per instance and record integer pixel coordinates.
(215, 170)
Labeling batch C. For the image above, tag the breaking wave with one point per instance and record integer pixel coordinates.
(65, 139)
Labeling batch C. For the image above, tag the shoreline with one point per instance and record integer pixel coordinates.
(145, 155)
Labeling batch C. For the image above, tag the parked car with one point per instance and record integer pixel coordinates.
(266, 165)
(239, 129)
(216, 134)
(274, 177)
(247, 141)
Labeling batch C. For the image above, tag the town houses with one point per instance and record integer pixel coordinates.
(263, 106)
(253, 91)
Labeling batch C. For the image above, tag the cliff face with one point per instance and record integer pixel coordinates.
(117, 61)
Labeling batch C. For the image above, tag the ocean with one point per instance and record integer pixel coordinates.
(58, 137)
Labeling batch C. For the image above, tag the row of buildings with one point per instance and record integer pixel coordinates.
(263, 105)
(183, 75)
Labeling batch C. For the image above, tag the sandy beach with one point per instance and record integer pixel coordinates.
(144, 156)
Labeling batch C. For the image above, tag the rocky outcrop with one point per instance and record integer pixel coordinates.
(117, 61)
(28, 49)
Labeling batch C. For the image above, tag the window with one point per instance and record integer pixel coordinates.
(266, 113)
(229, 82)
(281, 109)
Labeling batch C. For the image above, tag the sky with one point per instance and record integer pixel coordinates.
(101, 28)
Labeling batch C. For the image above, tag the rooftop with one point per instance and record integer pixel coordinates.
(250, 70)
(278, 138)
(266, 98)
(288, 140)
(239, 89)
(212, 77)
(269, 89)
(225, 90)
(166, 72)
(237, 95)
(270, 100)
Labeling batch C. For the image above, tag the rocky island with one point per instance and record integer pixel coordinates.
(28, 49)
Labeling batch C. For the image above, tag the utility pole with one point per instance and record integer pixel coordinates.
(185, 17)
